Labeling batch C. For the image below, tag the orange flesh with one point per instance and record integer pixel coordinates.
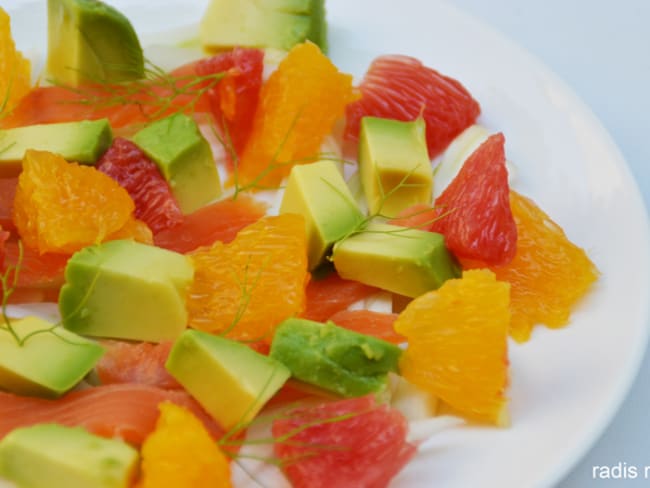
(246, 288)
(549, 274)
(298, 107)
(457, 344)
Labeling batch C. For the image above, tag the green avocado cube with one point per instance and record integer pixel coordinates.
(394, 164)
(405, 261)
(83, 142)
(318, 192)
(184, 158)
(126, 290)
(54, 456)
(263, 23)
(230, 380)
(334, 358)
(49, 363)
(91, 42)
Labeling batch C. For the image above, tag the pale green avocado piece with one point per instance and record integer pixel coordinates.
(91, 42)
(334, 358)
(82, 142)
(49, 363)
(394, 164)
(230, 380)
(54, 456)
(318, 192)
(126, 290)
(263, 23)
(405, 261)
(184, 158)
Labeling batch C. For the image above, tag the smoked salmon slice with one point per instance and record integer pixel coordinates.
(40, 276)
(8, 188)
(142, 363)
(125, 411)
(376, 324)
(332, 294)
(220, 221)
(125, 104)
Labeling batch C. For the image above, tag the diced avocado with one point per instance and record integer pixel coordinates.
(230, 380)
(394, 164)
(318, 192)
(334, 358)
(49, 363)
(83, 142)
(91, 42)
(263, 23)
(184, 158)
(54, 456)
(398, 259)
(126, 290)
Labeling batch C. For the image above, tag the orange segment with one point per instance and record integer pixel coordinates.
(548, 275)
(133, 229)
(245, 288)
(298, 107)
(15, 70)
(61, 207)
(181, 454)
(457, 344)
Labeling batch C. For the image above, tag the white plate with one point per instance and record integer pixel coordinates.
(566, 384)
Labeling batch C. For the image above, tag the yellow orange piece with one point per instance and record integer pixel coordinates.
(457, 344)
(180, 453)
(298, 107)
(548, 275)
(133, 229)
(247, 287)
(15, 70)
(61, 207)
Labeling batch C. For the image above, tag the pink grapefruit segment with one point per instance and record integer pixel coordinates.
(402, 88)
(347, 444)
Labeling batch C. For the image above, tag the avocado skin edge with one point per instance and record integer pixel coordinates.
(110, 51)
(333, 358)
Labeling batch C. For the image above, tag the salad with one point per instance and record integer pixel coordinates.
(323, 332)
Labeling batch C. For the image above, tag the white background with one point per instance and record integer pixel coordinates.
(601, 48)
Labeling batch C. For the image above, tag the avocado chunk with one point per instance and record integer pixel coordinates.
(54, 456)
(334, 358)
(318, 192)
(184, 158)
(230, 380)
(263, 23)
(126, 290)
(49, 363)
(394, 164)
(405, 261)
(83, 142)
(91, 42)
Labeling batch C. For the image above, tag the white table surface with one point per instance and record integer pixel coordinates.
(601, 48)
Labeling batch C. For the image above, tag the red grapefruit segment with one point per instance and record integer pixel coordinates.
(474, 210)
(347, 444)
(139, 176)
(402, 88)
